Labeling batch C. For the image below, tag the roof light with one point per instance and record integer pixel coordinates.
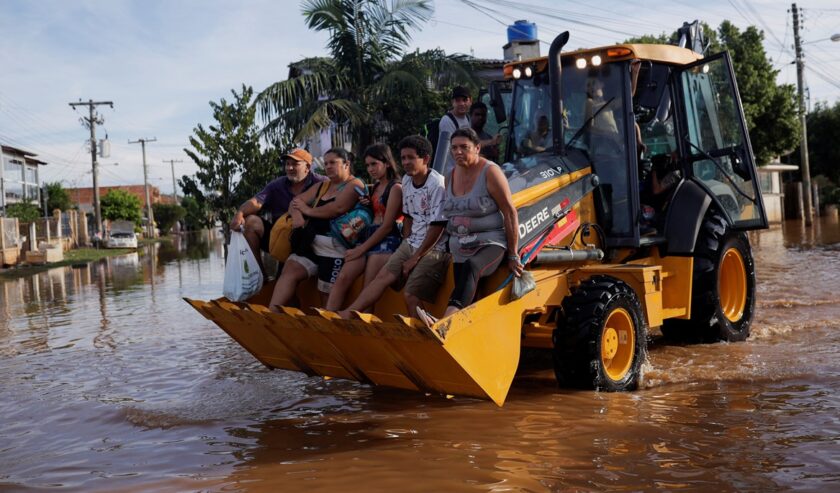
(596, 60)
(517, 73)
(706, 68)
(529, 71)
(618, 52)
(580, 63)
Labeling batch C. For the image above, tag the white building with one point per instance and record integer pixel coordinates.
(18, 177)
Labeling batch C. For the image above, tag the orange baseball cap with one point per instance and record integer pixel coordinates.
(299, 155)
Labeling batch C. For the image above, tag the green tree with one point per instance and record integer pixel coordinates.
(196, 215)
(366, 75)
(222, 152)
(823, 137)
(166, 215)
(769, 108)
(120, 205)
(26, 212)
(58, 198)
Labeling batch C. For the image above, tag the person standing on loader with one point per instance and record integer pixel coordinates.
(457, 117)
(421, 259)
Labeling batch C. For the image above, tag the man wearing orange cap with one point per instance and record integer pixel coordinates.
(274, 200)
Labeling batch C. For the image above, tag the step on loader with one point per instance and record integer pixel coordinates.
(591, 137)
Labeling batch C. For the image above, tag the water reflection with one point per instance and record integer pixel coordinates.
(110, 382)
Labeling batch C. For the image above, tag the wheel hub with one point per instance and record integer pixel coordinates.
(618, 344)
(732, 285)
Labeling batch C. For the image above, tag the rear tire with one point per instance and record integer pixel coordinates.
(602, 341)
(723, 290)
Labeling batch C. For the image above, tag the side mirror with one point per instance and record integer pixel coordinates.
(738, 165)
(496, 102)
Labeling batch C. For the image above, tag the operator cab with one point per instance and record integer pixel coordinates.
(690, 120)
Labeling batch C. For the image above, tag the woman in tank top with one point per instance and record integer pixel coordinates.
(383, 236)
(482, 221)
(327, 256)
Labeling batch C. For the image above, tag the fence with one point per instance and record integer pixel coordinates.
(10, 241)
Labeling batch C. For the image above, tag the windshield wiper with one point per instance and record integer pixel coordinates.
(721, 169)
(588, 120)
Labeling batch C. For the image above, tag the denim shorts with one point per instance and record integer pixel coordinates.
(387, 246)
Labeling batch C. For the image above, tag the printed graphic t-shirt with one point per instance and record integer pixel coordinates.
(425, 206)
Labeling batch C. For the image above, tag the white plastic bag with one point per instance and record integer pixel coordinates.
(243, 277)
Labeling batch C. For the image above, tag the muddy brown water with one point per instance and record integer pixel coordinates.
(110, 382)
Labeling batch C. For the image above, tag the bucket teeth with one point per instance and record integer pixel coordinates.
(402, 353)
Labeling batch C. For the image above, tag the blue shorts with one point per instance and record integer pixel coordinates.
(387, 246)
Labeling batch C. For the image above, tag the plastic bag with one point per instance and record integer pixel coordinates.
(522, 285)
(243, 277)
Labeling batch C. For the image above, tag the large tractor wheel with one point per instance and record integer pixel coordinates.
(723, 291)
(601, 341)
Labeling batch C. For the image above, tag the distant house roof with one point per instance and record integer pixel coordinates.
(15, 150)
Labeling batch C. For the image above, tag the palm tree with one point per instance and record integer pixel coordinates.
(367, 69)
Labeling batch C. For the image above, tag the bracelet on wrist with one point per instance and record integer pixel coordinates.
(514, 257)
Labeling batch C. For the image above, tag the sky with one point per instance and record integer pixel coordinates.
(161, 62)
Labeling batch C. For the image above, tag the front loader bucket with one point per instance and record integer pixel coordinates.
(473, 353)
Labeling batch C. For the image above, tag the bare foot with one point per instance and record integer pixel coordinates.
(345, 314)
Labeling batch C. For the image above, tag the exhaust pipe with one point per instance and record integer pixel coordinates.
(554, 72)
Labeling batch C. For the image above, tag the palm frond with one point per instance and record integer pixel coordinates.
(329, 112)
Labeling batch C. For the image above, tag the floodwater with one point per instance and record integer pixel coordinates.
(110, 382)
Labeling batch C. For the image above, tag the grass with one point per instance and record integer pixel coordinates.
(72, 257)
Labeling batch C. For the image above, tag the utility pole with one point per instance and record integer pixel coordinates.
(150, 216)
(92, 121)
(174, 185)
(803, 146)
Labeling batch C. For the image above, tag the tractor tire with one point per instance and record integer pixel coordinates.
(601, 340)
(723, 289)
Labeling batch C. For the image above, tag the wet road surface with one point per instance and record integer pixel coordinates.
(110, 382)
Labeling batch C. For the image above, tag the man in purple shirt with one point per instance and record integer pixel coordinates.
(274, 199)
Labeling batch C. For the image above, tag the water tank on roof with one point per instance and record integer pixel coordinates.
(522, 31)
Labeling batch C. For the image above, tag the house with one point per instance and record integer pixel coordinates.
(19, 177)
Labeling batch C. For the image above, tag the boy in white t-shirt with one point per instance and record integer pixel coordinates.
(421, 259)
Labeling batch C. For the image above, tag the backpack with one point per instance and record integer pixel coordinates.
(431, 130)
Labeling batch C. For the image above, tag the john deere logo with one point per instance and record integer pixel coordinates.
(245, 266)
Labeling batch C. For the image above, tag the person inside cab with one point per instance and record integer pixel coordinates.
(539, 139)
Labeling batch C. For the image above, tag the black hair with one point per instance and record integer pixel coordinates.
(340, 152)
(478, 105)
(468, 133)
(418, 143)
(381, 152)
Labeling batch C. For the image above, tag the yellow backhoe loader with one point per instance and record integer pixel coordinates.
(587, 130)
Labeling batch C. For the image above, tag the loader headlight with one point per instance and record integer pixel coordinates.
(529, 71)
(517, 73)
(580, 63)
(596, 60)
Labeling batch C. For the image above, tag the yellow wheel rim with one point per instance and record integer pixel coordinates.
(618, 344)
(732, 285)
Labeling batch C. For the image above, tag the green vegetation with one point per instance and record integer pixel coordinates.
(229, 158)
(26, 212)
(368, 83)
(57, 198)
(166, 215)
(197, 215)
(72, 257)
(120, 205)
(823, 151)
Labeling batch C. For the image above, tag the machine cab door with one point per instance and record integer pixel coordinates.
(716, 143)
